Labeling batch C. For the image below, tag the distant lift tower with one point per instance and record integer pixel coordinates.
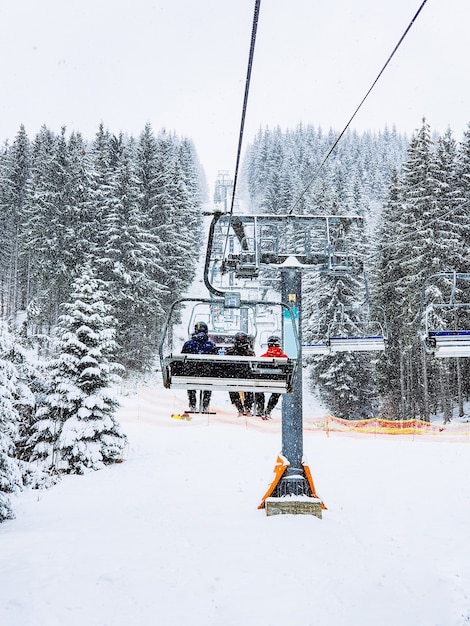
(223, 189)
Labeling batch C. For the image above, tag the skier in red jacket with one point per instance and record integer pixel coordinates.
(274, 350)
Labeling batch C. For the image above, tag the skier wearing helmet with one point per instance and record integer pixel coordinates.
(243, 401)
(274, 350)
(199, 344)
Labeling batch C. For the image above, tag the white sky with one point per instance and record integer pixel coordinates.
(181, 64)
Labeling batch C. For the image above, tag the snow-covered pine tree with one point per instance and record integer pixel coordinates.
(193, 175)
(337, 303)
(14, 174)
(463, 185)
(463, 208)
(417, 231)
(345, 380)
(131, 265)
(418, 208)
(447, 253)
(102, 159)
(256, 166)
(10, 476)
(31, 386)
(387, 274)
(174, 217)
(282, 184)
(39, 232)
(78, 416)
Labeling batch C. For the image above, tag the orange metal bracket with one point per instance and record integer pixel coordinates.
(281, 465)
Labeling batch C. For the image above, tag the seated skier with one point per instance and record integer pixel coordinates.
(243, 400)
(199, 344)
(274, 350)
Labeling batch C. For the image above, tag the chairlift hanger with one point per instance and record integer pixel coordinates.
(267, 241)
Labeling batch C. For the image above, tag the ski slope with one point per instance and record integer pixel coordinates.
(173, 536)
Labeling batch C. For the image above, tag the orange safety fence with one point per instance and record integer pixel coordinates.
(377, 426)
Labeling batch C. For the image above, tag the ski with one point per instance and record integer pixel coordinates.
(181, 416)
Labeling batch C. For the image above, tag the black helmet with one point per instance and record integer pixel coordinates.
(241, 339)
(200, 327)
(274, 340)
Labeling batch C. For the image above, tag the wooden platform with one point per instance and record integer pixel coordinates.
(294, 505)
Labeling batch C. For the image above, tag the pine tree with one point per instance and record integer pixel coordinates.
(336, 304)
(344, 380)
(463, 176)
(15, 171)
(40, 230)
(388, 273)
(175, 217)
(461, 216)
(10, 477)
(31, 386)
(131, 264)
(418, 239)
(78, 415)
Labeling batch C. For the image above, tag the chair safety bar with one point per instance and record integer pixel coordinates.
(228, 373)
(449, 343)
(345, 344)
(312, 349)
(357, 344)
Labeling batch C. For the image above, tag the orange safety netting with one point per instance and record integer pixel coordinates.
(376, 426)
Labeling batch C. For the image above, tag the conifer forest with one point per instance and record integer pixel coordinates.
(100, 236)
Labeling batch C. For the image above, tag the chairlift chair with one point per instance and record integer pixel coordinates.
(370, 337)
(222, 372)
(331, 345)
(445, 343)
(445, 324)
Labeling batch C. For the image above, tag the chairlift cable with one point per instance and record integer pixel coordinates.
(328, 154)
(245, 99)
(244, 109)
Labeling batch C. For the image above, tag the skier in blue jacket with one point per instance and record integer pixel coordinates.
(199, 344)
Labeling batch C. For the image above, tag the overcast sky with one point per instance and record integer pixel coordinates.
(181, 64)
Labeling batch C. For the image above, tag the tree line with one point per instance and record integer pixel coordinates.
(97, 240)
(131, 208)
(414, 198)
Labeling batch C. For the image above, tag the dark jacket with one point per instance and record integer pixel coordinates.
(199, 344)
(239, 351)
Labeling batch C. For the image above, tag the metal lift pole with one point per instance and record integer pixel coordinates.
(294, 481)
(292, 490)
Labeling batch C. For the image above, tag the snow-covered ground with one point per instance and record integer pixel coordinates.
(173, 536)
